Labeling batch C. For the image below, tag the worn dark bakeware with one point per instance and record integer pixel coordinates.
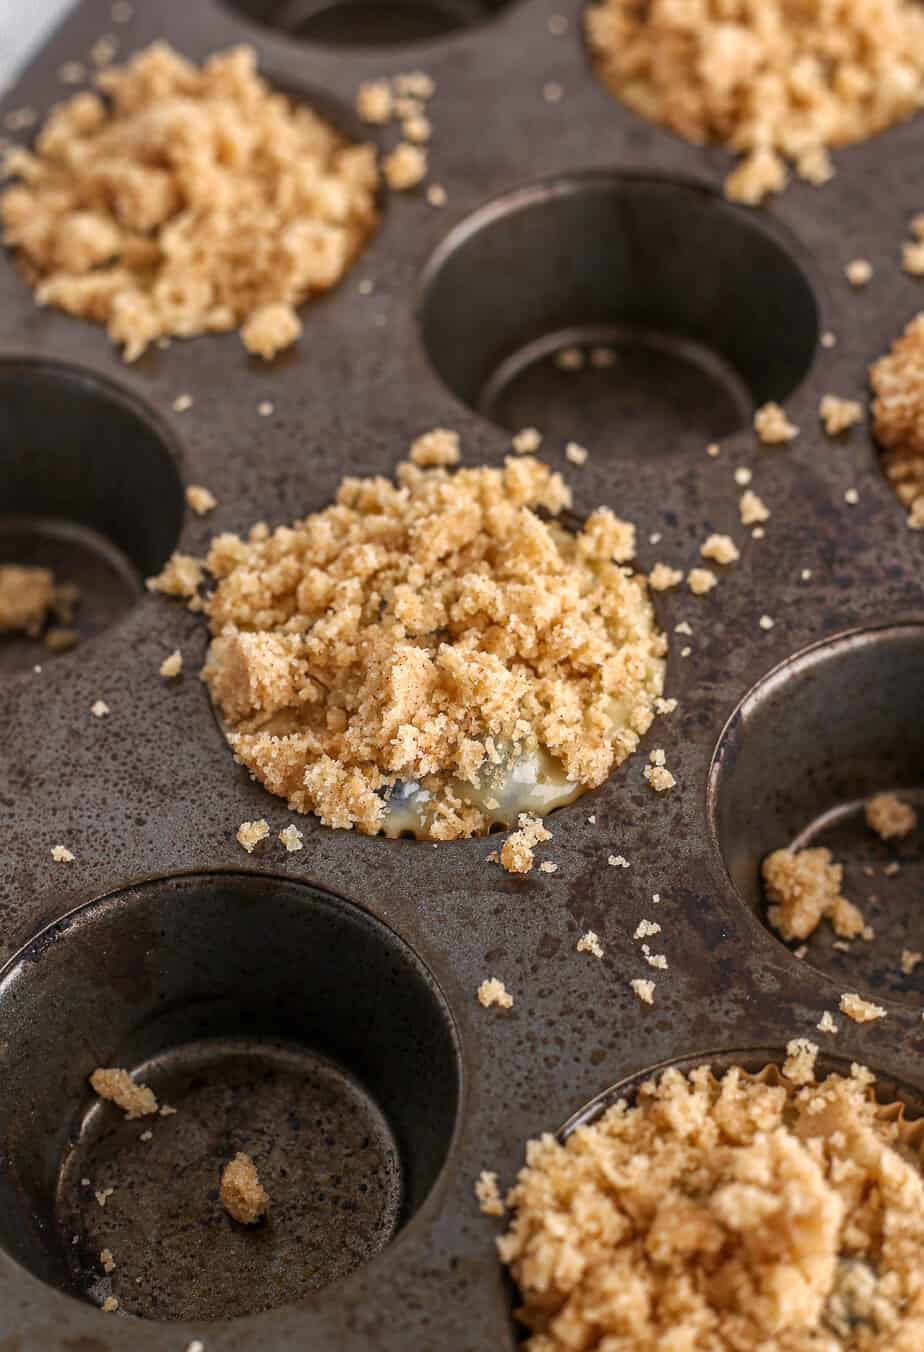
(319, 1009)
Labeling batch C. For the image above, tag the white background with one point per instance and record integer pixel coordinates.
(23, 24)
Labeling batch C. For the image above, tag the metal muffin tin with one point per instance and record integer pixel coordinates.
(318, 1009)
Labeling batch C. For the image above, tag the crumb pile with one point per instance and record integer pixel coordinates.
(897, 380)
(243, 1196)
(432, 655)
(803, 888)
(29, 597)
(725, 1215)
(189, 200)
(776, 80)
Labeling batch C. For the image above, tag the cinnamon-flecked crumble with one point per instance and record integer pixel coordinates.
(187, 200)
(433, 654)
(725, 1214)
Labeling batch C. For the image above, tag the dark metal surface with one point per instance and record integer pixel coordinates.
(150, 793)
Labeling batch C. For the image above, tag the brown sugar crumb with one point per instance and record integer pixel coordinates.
(242, 1194)
(182, 404)
(860, 1010)
(182, 575)
(590, 943)
(494, 992)
(102, 1196)
(107, 1261)
(26, 597)
(575, 454)
(375, 102)
(405, 167)
(516, 856)
(423, 649)
(547, 866)
(250, 834)
(490, 1202)
(859, 272)
(187, 200)
(803, 888)
(838, 415)
(897, 380)
(570, 359)
(662, 576)
(271, 329)
(721, 549)
(172, 665)
(644, 990)
(911, 958)
(62, 855)
(527, 441)
(701, 580)
(100, 709)
(292, 838)
(799, 1066)
(109, 1305)
(889, 817)
(753, 509)
(726, 1213)
(439, 447)
(200, 499)
(772, 425)
(118, 1087)
(657, 774)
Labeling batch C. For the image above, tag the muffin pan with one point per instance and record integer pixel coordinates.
(318, 1009)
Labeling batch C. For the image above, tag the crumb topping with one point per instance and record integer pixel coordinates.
(250, 834)
(193, 200)
(662, 576)
(292, 838)
(490, 1202)
(724, 1214)
(803, 888)
(897, 381)
(837, 415)
(172, 665)
(889, 817)
(772, 425)
(492, 991)
(860, 1010)
(118, 1087)
(242, 1194)
(753, 509)
(590, 943)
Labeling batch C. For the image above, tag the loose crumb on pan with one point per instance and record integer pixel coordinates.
(827, 1023)
(720, 548)
(182, 403)
(644, 990)
(662, 576)
(516, 855)
(186, 200)
(766, 622)
(859, 272)
(617, 861)
(657, 774)
(889, 817)
(292, 838)
(913, 253)
(100, 709)
(772, 425)
(701, 580)
(439, 447)
(26, 597)
(837, 415)
(117, 1086)
(743, 476)
(803, 887)
(172, 665)
(753, 509)
(646, 929)
(107, 1262)
(437, 195)
(799, 1066)
(102, 1196)
(492, 991)
(405, 166)
(490, 1202)
(911, 958)
(861, 1011)
(897, 381)
(250, 834)
(110, 1305)
(548, 866)
(242, 1194)
(724, 1213)
(527, 441)
(62, 855)
(570, 359)
(575, 454)
(200, 499)
(851, 497)
(590, 943)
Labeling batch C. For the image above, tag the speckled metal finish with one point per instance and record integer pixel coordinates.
(151, 793)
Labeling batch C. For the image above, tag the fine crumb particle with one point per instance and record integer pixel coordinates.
(590, 943)
(405, 167)
(100, 709)
(146, 1136)
(196, 1345)
(172, 665)
(860, 1010)
(827, 1023)
(102, 1196)
(109, 1305)
(892, 869)
(643, 989)
(118, 1087)
(910, 959)
(803, 888)
(266, 408)
(547, 866)
(685, 652)
(182, 403)
(859, 272)
(242, 1194)
(181, 576)
(107, 1261)
(701, 580)
(603, 358)
(375, 102)
(553, 92)
(103, 51)
(417, 128)
(662, 576)
(657, 960)
(577, 455)
(713, 449)
(516, 855)
(828, 340)
(292, 838)
(772, 426)
(72, 72)
(665, 706)
(724, 1211)
(415, 84)
(61, 855)
(851, 497)
(720, 548)
(183, 199)
(570, 359)
(487, 1193)
(889, 817)
(766, 622)
(897, 380)
(752, 509)
(439, 447)
(799, 1066)
(527, 441)
(743, 476)
(166, 1110)
(838, 414)
(657, 773)
(646, 929)
(249, 834)
(683, 628)
(437, 195)
(806, 575)
(617, 861)
(493, 992)
(200, 499)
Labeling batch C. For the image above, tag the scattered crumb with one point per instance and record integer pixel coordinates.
(806, 575)
(892, 869)
(61, 855)
(527, 441)
(439, 447)
(249, 834)
(548, 867)
(799, 1066)
(182, 403)
(405, 167)
(437, 195)
(570, 359)
(897, 380)
(701, 580)
(552, 92)
(828, 340)
(766, 622)
(172, 665)
(889, 817)
(415, 84)
(838, 415)
(118, 1087)
(910, 959)
(182, 575)
(851, 497)
(490, 1202)
(109, 1305)
(617, 861)
(603, 358)
(683, 628)
(658, 960)
(720, 548)
(646, 929)
(72, 72)
(685, 652)
(663, 576)
(242, 1194)
(772, 425)
(516, 856)
(665, 706)
(860, 1010)
(576, 454)
(292, 838)
(375, 102)
(803, 888)
(859, 272)
(103, 1195)
(827, 1024)
(266, 408)
(713, 449)
(494, 992)
(753, 509)
(107, 1261)
(590, 943)
(166, 1111)
(100, 709)
(146, 1136)
(558, 25)
(743, 476)
(644, 990)
(184, 200)
(29, 596)
(200, 499)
